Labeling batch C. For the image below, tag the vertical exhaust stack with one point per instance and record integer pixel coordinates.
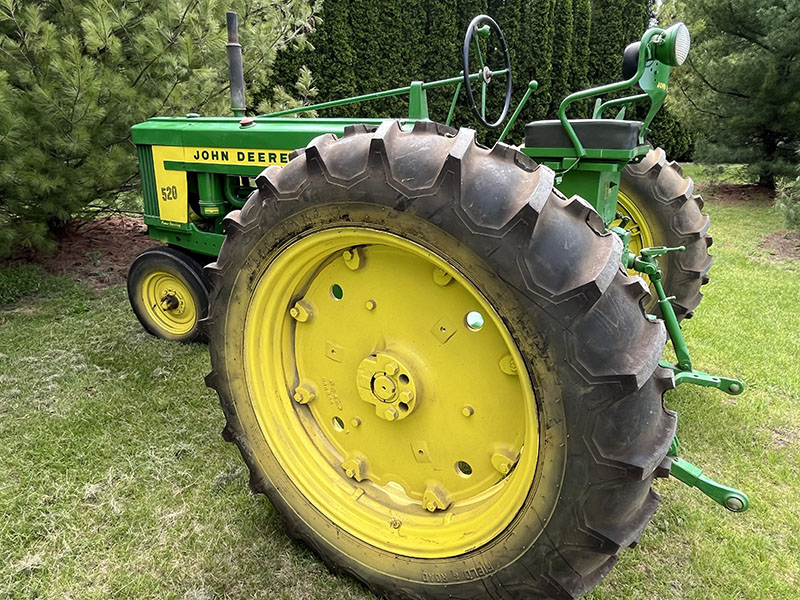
(235, 68)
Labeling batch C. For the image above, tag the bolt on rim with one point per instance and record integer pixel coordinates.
(388, 388)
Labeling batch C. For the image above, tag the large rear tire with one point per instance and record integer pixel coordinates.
(665, 211)
(435, 368)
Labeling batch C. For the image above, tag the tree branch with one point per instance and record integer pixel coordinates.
(711, 86)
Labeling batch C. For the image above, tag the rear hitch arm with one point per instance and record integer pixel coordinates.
(647, 263)
(682, 470)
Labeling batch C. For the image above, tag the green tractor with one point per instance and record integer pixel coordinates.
(441, 362)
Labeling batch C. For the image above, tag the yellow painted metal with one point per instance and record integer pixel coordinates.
(172, 188)
(168, 302)
(427, 485)
(641, 234)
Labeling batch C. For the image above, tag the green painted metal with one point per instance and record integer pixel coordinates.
(647, 263)
(730, 386)
(185, 235)
(235, 193)
(256, 140)
(377, 96)
(532, 87)
(452, 110)
(651, 75)
(682, 470)
(212, 198)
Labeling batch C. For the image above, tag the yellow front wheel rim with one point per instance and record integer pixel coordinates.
(391, 392)
(168, 302)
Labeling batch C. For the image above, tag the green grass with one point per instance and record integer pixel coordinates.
(114, 481)
(722, 173)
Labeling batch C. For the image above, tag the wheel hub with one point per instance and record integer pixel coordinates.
(385, 381)
(170, 301)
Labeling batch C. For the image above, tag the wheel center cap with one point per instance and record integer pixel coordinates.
(383, 387)
(386, 382)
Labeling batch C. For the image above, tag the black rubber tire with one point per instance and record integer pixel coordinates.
(575, 315)
(675, 216)
(183, 266)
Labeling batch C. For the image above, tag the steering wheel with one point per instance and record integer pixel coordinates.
(484, 26)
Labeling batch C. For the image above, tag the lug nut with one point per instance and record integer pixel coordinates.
(352, 259)
(304, 394)
(441, 277)
(370, 305)
(502, 462)
(391, 413)
(508, 365)
(300, 312)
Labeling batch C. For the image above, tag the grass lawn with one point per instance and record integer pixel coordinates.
(114, 481)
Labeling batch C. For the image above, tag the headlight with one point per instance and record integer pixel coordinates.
(674, 49)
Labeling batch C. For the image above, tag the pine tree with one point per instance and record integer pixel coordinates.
(75, 75)
(741, 85)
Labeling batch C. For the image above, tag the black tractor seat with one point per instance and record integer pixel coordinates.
(594, 134)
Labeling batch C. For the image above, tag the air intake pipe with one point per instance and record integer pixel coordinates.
(235, 68)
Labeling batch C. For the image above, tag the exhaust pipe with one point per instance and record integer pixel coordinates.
(235, 68)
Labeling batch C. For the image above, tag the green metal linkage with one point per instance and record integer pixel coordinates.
(647, 263)
(455, 100)
(532, 86)
(417, 102)
(411, 89)
(733, 387)
(682, 470)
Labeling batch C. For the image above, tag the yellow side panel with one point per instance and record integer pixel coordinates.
(171, 186)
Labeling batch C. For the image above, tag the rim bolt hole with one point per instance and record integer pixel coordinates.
(338, 424)
(337, 292)
(402, 407)
(474, 320)
(463, 468)
(403, 379)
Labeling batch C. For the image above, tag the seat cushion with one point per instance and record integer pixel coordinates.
(594, 134)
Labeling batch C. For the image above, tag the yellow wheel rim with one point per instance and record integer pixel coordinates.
(641, 235)
(169, 302)
(389, 391)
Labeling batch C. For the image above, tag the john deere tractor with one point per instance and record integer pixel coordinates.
(442, 362)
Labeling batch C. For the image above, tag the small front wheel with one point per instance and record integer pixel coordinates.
(168, 293)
